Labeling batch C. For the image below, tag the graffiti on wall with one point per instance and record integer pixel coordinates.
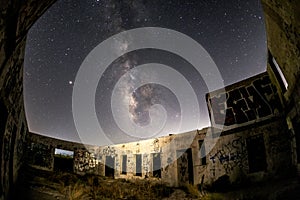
(84, 161)
(182, 165)
(232, 154)
(185, 167)
(92, 160)
(41, 155)
(131, 164)
(155, 145)
(246, 103)
(118, 166)
(146, 164)
(108, 151)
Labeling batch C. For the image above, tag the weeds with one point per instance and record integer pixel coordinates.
(98, 187)
(73, 191)
(192, 191)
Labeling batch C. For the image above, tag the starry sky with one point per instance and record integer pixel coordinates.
(231, 31)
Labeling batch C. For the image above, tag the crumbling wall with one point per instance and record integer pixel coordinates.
(243, 103)
(15, 20)
(250, 154)
(41, 156)
(250, 149)
(255, 142)
(283, 31)
(40, 150)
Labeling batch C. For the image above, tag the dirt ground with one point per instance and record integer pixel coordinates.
(37, 185)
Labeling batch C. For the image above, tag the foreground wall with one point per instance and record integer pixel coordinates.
(256, 143)
(283, 32)
(16, 18)
(254, 153)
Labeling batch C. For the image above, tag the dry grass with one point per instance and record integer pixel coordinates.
(213, 196)
(192, 191)
(74, 187)
(75, 191)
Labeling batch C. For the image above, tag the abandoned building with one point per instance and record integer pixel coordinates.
(259, 140)
(254, 145)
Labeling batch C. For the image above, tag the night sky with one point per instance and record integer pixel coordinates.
(231, 31)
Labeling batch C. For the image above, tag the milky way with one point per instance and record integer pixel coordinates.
(231, 31)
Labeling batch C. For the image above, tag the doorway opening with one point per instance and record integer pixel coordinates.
(138, 170)
(124, 164)
(185, 167)
(110, 166)
(256, 153)
(156, 165)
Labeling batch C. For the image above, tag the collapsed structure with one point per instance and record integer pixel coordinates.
(253, 144)
(277, 133)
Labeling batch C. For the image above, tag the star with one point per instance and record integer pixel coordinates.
(60, 40)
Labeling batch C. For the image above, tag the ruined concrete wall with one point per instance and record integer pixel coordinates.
(253, 153)
(95, 158)
(40, 150)
(92, 159)
(253, 117)
(40, 156)
(243, 103)
(254, 144)
(15, 20)
(283, 31)
(234, 155)
(86, 158)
